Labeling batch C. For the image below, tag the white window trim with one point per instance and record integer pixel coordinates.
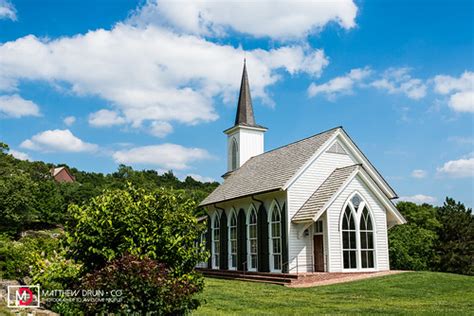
(274, 205)
(229, 243)
(215, 265)
(247, 224)
(357, 216)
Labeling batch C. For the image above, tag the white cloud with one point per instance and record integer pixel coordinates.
(57, 141)
(419, 199)
(105, 118)
(200, 178)
(7, 10)
(160, 129)
(69, 120)
(459, 90)
(151, 73)
(340, 85)
(168, 156)
(19, 155)
(399, 80)
(461, 168)
(282, 19)
(16, 106)
(419, 174)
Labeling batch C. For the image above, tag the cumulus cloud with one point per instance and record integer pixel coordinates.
(162, 76)
(399, 80)
(105, 118)
(460, 91)
(19, 155)
(167, 156)
(461, 168)
(419, 174)
(160, 129)
(57, 141)
(281, 19)
(7, 10)
(200, 178)
(340, 85)
(69, 120)
(419, 199)
(15, 106)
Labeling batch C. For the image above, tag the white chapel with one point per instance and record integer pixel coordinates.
(317, 204)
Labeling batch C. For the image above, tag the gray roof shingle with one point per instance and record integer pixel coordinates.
(323, 194)
(269, 171)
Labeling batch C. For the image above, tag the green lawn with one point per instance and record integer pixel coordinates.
(406, 293)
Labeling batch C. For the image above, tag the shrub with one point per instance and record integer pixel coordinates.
(148, 287)
(18, 259)
(58, 273)
(159, 225)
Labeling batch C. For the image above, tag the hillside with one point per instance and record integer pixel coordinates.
(30, 198)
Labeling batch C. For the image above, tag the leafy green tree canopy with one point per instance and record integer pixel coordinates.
(159, 225)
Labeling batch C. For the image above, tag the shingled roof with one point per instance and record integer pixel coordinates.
(323, 194)
(244, 115)
(269, 171)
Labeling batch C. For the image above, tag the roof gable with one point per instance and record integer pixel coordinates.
(332, 187)
(353, 151)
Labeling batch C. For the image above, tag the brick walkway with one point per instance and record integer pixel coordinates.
(324, 278)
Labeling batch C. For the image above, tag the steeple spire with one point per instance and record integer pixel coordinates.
(244, 108)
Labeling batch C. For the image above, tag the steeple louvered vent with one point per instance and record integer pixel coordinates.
(337, 149)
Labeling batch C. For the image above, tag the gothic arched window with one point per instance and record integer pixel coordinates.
(252, 239)
(233, 240)
(275, 230)
(216, 240)
(349, 242)
(366, 240)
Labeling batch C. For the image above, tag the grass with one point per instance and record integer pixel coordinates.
(406, 293)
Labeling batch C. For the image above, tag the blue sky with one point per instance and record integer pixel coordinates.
(153, 84)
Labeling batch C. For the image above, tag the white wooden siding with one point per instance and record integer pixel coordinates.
(379, 218)
(300, 249)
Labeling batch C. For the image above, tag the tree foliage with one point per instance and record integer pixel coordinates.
(435, 238)
(456, 238)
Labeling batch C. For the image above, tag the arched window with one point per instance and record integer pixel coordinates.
(275, 227)
(252, 240)
(234, 154)
(349, 242)
(216, 241)
(366, 240)
(233, 240)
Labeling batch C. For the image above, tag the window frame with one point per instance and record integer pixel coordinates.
(250, 239)
(216, 254)
(357, 213)
(275, 207)
(231, 254)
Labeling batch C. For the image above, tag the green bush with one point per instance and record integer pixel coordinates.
(147, 287)
(18, 259)
(152, 227)
(159, 225)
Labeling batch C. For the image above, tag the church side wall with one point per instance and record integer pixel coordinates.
(379, 217)
(300, 249)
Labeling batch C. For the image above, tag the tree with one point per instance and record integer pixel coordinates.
(17, 202)
(455, 245)
(412, 245)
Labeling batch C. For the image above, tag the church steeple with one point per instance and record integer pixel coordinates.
(245, 138)
(244, 114)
